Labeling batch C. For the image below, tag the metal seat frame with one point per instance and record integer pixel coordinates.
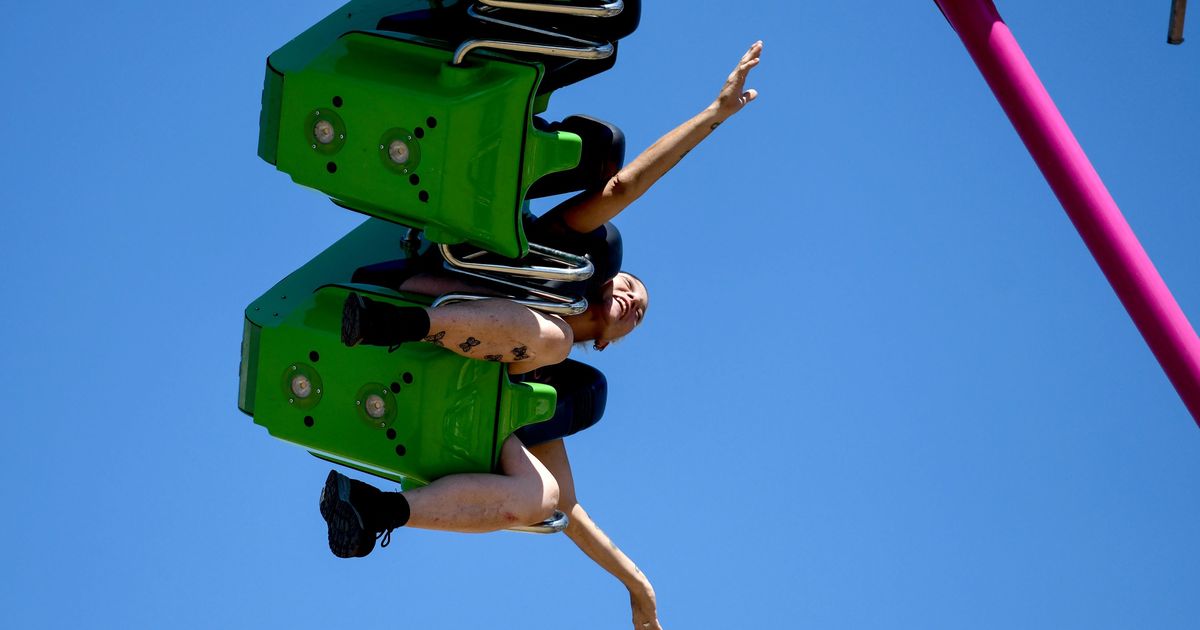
(584, 50)
(574, 267)
(509, 277)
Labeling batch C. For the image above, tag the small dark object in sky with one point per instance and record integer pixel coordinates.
(1175, 30)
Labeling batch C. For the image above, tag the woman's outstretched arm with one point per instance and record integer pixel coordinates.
(598, 207)
(593, 542)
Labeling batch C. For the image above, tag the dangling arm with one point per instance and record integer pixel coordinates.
(593, 542)
(594, 208)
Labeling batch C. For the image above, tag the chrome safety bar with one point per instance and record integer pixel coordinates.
(538, 299)
(567, 305)
(602, 51)
(570, 308)
(586, 50)
(576, 267)
(552, 525)
(608, 9)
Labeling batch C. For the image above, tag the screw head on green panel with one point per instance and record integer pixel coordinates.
(376, 405)
(325, 131)
(400, 151)
(302, 385)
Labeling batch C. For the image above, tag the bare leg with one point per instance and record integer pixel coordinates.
(525, 494)
(499, 330)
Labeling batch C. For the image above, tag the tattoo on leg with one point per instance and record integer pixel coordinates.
(494, 357)
(469, 344)
(436, 339)
(520, 353)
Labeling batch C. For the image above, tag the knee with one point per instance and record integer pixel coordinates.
(538, 502)
(554, 341)
(542, 504)
(555, 350)
(534, 491)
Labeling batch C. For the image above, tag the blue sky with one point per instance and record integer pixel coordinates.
(882, 383)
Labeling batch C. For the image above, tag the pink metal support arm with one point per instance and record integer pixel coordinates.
(1081, 193)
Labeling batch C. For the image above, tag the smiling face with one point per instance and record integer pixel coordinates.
(624, 307)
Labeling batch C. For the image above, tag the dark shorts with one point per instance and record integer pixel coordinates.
(582, 393)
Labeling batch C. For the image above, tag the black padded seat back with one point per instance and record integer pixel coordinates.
(451, 23)
(451, 26)
(582, 395)
(448, 24)
(608, 29)
(603, 155)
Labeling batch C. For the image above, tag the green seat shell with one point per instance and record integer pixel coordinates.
(412, 415)
(335, 107)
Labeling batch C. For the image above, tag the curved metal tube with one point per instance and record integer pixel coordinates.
(545, 301)
(570, 308)
(588, 50)
(602, 51)
(552, 525)
(578, 267)
(609, 9)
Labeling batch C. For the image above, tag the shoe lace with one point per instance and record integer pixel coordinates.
(384, 537)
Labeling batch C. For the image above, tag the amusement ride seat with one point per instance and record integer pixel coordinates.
(421, 114)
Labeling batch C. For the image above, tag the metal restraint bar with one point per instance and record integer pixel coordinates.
(608, 9)
(584, 50)
(552, 525)
(572, 308)
(536, 299)
(575, 268)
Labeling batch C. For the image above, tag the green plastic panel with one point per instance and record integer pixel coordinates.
(415, 414)
(385, 125)
(248, 369)
(268, 119)
(358, 15)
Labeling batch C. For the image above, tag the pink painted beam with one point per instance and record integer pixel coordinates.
(1081, 193)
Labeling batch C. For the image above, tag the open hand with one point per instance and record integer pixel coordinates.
(734, 95)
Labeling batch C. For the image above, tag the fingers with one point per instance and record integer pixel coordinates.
(748, 61)
(734, 94)
(754, 52)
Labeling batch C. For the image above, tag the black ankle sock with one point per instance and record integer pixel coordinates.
(387, 324)
(379, 510)
(395, 508)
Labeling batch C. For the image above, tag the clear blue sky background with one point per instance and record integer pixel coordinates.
(882, 383)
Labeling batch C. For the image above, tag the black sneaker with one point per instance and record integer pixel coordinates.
(350, 535)
(375, 323)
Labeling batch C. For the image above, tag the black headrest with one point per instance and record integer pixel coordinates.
(603, 155)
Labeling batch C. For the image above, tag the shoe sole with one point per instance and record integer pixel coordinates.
(345, 525)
